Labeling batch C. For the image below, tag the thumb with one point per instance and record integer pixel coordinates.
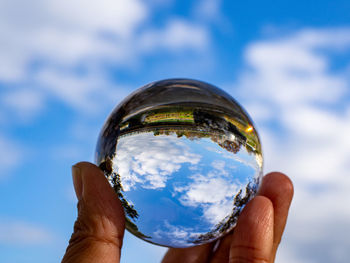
(99, 228)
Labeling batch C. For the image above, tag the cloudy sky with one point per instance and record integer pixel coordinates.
(160, 172)
(64, 65)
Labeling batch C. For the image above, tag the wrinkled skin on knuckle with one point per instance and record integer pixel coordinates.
(90, 229)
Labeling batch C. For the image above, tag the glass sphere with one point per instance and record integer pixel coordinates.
(184, 158)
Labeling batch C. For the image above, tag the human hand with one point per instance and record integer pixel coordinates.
(99, 228)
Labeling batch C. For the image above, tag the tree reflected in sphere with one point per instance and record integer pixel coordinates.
(184, 158)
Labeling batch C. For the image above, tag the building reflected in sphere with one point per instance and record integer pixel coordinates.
(184, 158)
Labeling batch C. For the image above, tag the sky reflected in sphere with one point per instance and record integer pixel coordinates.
(184, 158)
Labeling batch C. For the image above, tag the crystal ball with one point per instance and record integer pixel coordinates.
(184, 158)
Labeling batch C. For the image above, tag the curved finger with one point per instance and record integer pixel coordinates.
(253, 238)
(279, 189)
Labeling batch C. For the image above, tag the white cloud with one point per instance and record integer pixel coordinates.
(23, 103)
(42, 47)
(87, 93)
(295, 83)
(56, 37)
(178, 34)
(220, 165)
(149, 160)
(214, 189)
(177, 236)
(119, 17)
(208, 9)
(208, 190)
(306, 95)
(57, 31)
(212, 192)
(294, 69)
(10, 155)
(210, 12)
(292, 80)
(22, 233)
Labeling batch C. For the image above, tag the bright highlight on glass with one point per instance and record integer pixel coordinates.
(184, 158)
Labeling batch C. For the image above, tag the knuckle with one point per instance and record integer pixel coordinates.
(84, 236)
(89, 230)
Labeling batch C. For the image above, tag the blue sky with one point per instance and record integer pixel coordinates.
(64, 65)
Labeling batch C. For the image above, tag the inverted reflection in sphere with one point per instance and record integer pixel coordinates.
(184, 158)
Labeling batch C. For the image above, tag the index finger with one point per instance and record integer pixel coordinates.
(279, 189)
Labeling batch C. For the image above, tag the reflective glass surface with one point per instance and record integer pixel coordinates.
(184, 158)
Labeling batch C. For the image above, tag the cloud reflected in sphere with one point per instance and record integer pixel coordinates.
(184, 158)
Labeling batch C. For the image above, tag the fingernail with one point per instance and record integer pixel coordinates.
(77, 181)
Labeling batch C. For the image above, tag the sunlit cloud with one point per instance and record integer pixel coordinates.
(214, 194)
(150, 160)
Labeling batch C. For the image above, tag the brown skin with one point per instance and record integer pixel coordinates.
(99, 229)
